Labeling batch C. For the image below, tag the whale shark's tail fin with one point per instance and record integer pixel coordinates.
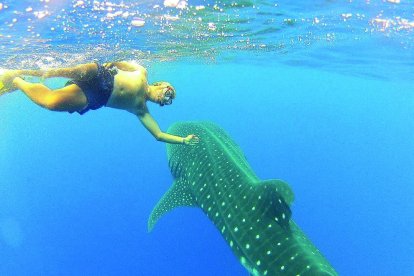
(177, 195)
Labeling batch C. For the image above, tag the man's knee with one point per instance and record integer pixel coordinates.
(53, 103)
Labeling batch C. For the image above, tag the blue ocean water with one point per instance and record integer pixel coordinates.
(318, 94)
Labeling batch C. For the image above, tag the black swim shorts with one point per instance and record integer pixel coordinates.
(97, 89)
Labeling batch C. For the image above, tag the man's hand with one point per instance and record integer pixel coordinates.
(191, 140)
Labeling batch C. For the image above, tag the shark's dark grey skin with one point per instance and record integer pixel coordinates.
(252, 215)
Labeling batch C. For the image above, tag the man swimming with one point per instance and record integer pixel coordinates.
(120, 85)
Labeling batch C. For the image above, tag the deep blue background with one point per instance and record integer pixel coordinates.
(76, 191)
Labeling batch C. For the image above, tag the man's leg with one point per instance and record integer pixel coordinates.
(82, 71)
(77, 72)
(69, 98)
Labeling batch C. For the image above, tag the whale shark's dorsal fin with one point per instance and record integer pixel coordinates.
(273, 199)
(281, 187)
(176, 196)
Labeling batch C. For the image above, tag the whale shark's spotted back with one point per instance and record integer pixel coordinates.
(253, 216)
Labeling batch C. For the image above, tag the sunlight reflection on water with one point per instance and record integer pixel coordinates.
(55, 33)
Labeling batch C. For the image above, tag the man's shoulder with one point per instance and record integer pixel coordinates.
(141, 69)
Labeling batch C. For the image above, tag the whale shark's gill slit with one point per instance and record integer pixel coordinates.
(170, 162)
(174, 167)
(178, 170)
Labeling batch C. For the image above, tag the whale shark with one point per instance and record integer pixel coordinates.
(252, 215)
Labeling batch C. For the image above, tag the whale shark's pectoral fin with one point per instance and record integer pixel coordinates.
(177, 195)
(274, 197)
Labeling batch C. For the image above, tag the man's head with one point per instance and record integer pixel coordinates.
(162, 93)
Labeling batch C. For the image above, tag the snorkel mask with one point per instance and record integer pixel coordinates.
(168, 96)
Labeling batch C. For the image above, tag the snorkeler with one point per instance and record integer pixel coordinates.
(120, 85)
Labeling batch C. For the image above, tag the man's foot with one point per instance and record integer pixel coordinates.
(6, 81)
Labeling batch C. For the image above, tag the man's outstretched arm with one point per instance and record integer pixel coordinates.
(148, 121)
